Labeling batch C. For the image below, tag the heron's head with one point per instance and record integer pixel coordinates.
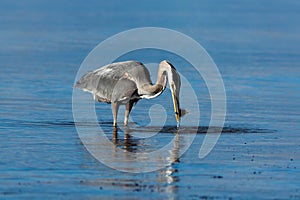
(174, 83)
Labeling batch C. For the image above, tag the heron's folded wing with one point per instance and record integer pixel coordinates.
(115, 82)
(124, 91)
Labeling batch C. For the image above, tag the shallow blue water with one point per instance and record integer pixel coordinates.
(255, 46)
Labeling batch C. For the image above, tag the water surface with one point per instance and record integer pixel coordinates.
(255, 46)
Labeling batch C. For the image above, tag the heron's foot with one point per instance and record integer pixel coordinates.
(126, 121)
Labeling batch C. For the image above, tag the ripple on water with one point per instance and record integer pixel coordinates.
(7, 123)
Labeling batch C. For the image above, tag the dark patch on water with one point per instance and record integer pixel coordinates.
(206, 129)
(6, 123)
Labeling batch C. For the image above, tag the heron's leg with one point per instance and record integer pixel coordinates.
(115, 108)
(127, 112)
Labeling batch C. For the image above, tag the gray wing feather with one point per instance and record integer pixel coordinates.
(124, 91)
(115, 82)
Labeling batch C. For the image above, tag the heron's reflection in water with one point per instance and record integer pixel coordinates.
(167, 175)
(127, 143)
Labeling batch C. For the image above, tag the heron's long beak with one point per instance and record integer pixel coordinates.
(176, 108)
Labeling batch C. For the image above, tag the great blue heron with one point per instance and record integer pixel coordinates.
(125, 83)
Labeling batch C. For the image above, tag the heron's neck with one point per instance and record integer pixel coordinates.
(161, 77)
(158, 87)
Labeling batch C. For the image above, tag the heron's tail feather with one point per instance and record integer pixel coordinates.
(78, 85)
(84, 82)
